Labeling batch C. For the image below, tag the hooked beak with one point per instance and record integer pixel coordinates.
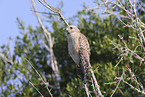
(67, 30)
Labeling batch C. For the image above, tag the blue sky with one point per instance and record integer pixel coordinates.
(11, 9)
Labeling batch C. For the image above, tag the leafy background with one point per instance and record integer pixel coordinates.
(101, 31)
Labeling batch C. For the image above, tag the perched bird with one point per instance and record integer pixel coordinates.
(79, 50)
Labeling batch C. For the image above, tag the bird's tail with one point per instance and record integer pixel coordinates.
(83, 71)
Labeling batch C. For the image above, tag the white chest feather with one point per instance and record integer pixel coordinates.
(73, 46)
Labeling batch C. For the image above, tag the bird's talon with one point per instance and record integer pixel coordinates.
(78, 66)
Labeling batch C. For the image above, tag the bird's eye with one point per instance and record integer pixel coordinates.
(71, 27)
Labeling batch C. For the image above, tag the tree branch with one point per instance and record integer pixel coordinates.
(45, 83)
(50, 43)
(53, 9)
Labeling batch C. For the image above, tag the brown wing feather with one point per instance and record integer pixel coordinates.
(84, 52)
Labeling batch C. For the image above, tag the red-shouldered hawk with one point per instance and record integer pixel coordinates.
(79, 50)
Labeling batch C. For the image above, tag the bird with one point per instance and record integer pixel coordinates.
(79, 50)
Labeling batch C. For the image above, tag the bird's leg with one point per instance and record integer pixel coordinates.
(78, 66)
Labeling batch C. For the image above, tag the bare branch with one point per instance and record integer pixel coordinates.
(53, 9)
(50, 43)
(137, 51)
(5, 58)
(46, 46)
(97, 87)
(143, 92)
(111, 82)
(119, 62)
(48, 6)
(46, 84)
(87, 90)
(95, 92)
(117, 86)
(37, 89)
(8, 57)
(134, 78)
(121, 91)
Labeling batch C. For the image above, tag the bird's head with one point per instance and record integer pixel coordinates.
(72, 29)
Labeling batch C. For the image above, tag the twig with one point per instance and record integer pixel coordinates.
(40, 78)
(134, 78)
(117, 86)
(50, 43)
(36, 89)
(95, 92)
(44, 12)
(121, 91)
(96, 68)
(53, 9)
(119, 62)
(46, 46)
(87, 90)
(5, 58)
(143, 92)
(136, 24)
(97, 87)
(111, 83)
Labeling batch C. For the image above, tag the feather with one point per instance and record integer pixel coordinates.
(79, 50)
(84, 53)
